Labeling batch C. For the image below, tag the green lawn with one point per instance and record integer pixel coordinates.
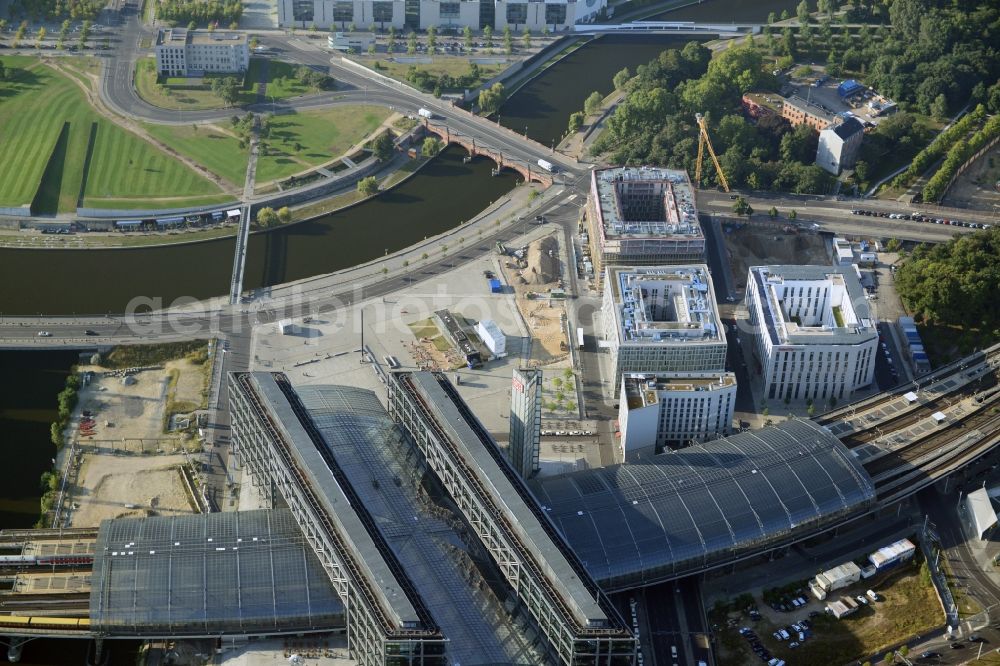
(281, 81)
(159, 202)
(218, 152)
(453, 66)
(44, 114)
(170, 98)
(303, 140)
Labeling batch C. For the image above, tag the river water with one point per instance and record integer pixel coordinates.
(443, 194)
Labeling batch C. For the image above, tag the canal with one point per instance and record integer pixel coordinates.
(730, 11)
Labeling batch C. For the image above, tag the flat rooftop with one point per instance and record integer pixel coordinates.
(645, 202)
(664, 304)
(384, 576)
(182, 36)
(642, 390)
(845, 318)
(545, 546)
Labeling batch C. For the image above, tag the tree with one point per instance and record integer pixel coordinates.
(861, 171)
(773, 212)
(266, 217)
(431, 146)
(41, 37)
(592, 104)
(467, 36)
(893, 245)
(793, 214)
(575, 122)
(508, 40)
(3, 72)
(802, 12)
(621, 78)
(227, 89)
(742, 207)
(904, 650)
(284, 215)
(526, 38)
(431, 39)
(771, 18)
(492, 98)
(488, 35)
(824, 7)
(390, 44)
(368, 186)
(382, 147)
(938, 108)
(411, 43)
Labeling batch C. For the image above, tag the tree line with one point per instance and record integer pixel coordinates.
(178, 12)
(959, 154)
(56, 9)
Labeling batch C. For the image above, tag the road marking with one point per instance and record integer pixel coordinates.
(571, 197)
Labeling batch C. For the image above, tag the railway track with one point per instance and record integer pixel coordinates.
(919, 411)
(877, 401)
(933, 456)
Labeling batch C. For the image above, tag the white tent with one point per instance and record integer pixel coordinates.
(982, 515)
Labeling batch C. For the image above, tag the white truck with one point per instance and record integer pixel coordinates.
(425, 113)
(548, 166)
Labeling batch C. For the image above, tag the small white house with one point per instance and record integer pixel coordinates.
(492, 337)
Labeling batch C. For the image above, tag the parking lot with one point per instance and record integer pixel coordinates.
(920, 217)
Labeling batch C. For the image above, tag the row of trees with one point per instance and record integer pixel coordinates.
(66, 401)
(438, 84)
(957, 156)
(56, 9)
(655, 122)
(933, 152)
(199, 12)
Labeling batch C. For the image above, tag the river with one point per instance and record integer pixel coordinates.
(443, 194)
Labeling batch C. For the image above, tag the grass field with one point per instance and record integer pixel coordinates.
(298, 141)
(454, 66)
(281, 81)
(217, 151)
(303, 140)
(44, 115)
(281, 84)
(182, 100)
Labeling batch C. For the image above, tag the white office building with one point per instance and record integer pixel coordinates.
(556, 15)
(814, 336)
(661, 319)
(643, 217)
(181, 52)
(673, 410)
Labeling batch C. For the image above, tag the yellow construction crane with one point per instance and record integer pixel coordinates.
(703, 141)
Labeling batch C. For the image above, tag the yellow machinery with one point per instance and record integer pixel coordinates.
(703, 141)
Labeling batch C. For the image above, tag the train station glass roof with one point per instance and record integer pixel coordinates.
(241, 572)
(641, 523)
